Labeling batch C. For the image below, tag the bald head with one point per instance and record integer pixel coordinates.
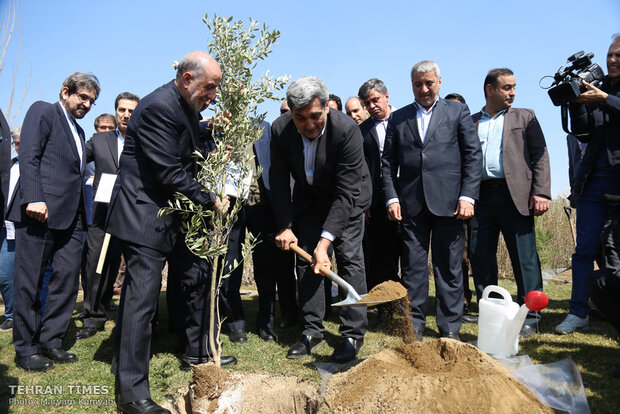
(355, 109)
(198, 76)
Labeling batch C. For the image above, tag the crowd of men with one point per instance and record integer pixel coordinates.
(377, 187)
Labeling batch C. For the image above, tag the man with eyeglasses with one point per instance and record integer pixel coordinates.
(49, 218)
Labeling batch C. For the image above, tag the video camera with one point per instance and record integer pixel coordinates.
(569, 78)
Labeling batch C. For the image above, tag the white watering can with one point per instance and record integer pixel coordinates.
(501, 320)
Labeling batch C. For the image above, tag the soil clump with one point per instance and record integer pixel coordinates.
(384, 292)
(441, 376)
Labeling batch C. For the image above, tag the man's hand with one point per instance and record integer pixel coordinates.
(320, 256)
(222, 205)
(37, 211)
(464, 210)
(219, 121)
(539, 205)
(592, 95)
(393, 212)
(285, 238)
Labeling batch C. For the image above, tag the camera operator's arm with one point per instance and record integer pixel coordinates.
(587, 110)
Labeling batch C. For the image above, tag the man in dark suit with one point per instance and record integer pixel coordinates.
(381, 239)
(8, 251)
(156, 162)
(50, 220)
(516, 186)
(322, 150)
(104, 149)
(431, 176)
(272, 266)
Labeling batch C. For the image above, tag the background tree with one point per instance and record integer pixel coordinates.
(9, 25)
(238, 50)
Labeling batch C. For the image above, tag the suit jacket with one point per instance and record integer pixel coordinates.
(156, 162)
(341, 188)
(49, 167)
(5, 162)
(524, 157)
(103, 150)
(373, 159)
(436, 172)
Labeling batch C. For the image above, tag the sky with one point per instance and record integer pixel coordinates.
(131, 45)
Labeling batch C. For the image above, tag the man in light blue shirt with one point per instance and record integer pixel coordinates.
(515, 187)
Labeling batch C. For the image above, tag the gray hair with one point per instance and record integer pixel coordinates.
(78, 80)
(304, 90)
(371, 84)
(16, 131)
(425, 66)
(192, 64)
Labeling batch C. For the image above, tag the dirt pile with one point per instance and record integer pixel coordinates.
(442, 376)
(385, 292)
(261, 393)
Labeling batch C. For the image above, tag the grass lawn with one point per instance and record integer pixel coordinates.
(90, 381)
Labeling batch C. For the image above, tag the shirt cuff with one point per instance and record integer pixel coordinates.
(327, 235)
(36, 202)
(392, 201)
(468, 199)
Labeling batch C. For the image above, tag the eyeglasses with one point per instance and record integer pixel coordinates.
(106, 127)
(85, 98)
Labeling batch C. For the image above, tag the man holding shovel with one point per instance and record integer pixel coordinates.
(323, 151)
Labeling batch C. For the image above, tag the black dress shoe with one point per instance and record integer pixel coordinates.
(451, 335)
(34, 363)
(304, 347)
(190, 360)
(142, 407)
(82, 315)
(527, 331)
(6, 325)
(287, 323)
(86, 333)
(238, 336)
(266, 335)
(59, 355)
(470, 318)
(347, 350)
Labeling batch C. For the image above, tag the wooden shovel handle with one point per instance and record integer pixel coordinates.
(304, 255)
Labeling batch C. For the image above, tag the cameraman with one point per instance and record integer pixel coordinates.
(595, 119)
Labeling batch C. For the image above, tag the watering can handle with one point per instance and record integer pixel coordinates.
(497, 289)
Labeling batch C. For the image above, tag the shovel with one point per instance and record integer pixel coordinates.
(353, 297)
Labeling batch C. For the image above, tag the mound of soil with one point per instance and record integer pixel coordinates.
(384, 292)
(261, 393)
(442, 376)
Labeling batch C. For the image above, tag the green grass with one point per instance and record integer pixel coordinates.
(594, 352)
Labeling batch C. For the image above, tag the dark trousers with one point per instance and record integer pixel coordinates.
(138, 305)
(350, 261)
(98, 288)
(591, 215)
(230, 298)
(382, 247)
(447, 244)
(495, 212)
(272, 267)
(603, 286)
(35, 243)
